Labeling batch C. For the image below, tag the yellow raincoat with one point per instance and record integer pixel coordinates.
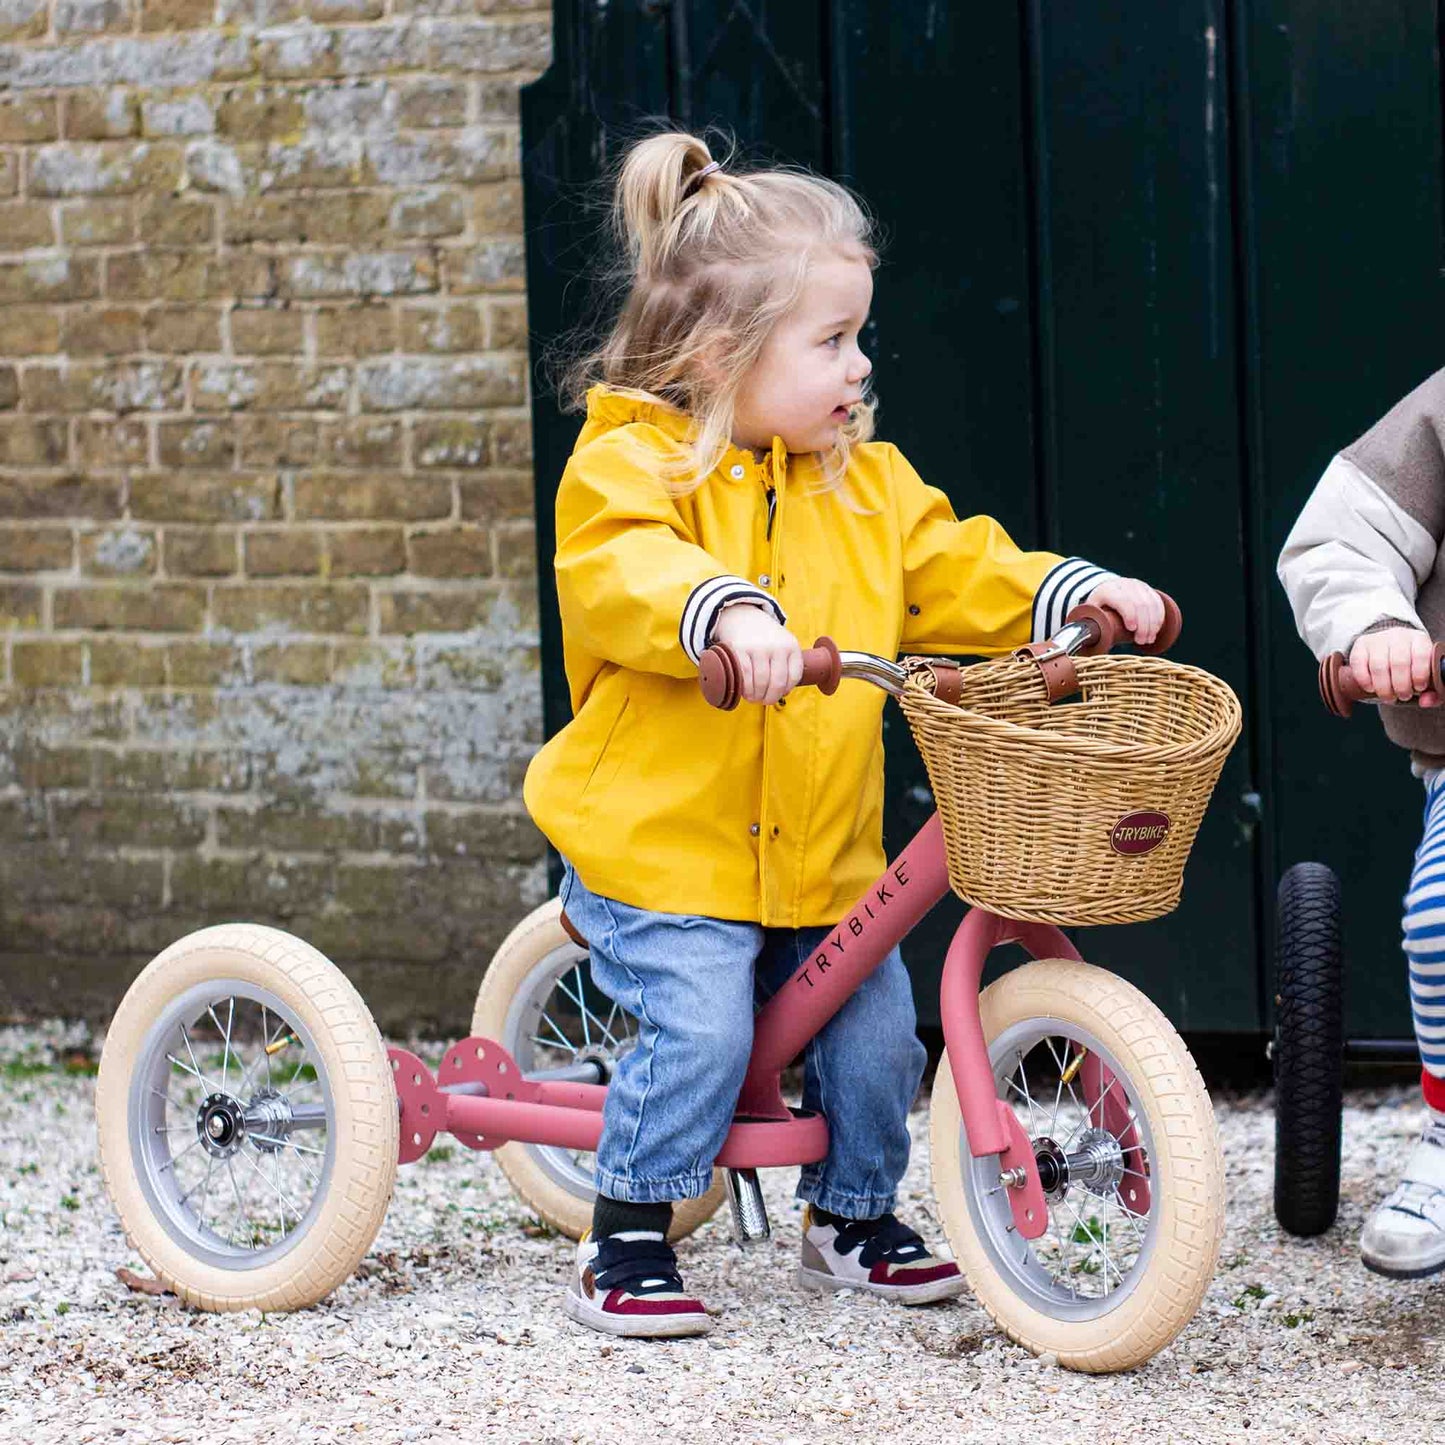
(768, 815)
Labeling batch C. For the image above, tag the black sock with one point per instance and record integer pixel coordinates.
(617, 1216)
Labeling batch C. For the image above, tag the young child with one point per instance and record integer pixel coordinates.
(1362, 567)
(723, 490)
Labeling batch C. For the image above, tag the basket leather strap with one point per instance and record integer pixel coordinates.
(1056, 668)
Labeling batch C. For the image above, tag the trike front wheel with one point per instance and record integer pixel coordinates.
(1124, 1137)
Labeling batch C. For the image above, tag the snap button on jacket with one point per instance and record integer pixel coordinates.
(767, 815)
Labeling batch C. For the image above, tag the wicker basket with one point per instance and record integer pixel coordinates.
(1083, 812)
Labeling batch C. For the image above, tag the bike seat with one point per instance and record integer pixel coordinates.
(570, 929)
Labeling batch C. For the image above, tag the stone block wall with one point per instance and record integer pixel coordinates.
(267, 580)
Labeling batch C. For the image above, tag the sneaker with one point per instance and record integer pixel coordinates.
(628, 1284)
(1405, 1236)
(881, 1256)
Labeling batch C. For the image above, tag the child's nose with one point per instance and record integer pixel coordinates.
(862, 367)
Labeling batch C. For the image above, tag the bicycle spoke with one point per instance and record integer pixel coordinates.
(177, 1062)
(240, 1214)
(547, 1019)
(577, 999)
(225, 1041)
(176, 1158)
(195, 1063)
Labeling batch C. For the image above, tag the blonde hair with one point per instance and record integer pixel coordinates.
(713, 259)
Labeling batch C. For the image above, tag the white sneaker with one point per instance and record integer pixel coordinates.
(879, 1256)
(1405, 1236)
(628, 1284)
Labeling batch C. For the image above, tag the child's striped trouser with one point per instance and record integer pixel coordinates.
(1424, 925)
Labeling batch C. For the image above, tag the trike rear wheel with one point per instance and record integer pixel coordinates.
(1125, 1138)
(247, 1120)
(538, 1001)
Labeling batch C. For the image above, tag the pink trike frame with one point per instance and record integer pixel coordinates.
(483, 1099)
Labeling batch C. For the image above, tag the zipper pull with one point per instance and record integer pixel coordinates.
(772, 511)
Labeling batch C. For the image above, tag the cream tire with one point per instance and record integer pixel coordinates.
(1177, 1242)
(344, 1166)
(534, 966)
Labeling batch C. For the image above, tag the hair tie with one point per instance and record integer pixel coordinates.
(698, 177)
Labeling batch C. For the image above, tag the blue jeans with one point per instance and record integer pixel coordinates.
(692, 984)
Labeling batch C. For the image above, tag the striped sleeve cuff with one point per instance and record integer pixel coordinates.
(1060, 592)
(707, 600)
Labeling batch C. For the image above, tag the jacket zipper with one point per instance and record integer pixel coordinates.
(763, 839)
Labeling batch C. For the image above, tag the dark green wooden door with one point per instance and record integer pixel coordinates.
(1104, 316)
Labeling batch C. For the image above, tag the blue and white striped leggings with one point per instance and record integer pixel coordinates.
(1424, 925)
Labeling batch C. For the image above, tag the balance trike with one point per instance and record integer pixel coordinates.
(251, 1119)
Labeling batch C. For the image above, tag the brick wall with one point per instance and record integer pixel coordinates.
(266, 555)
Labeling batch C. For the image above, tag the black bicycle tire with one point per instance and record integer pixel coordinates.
(1309, 1047)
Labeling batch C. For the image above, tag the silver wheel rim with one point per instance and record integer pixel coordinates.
(559, 1019)
(1094, 1252)
(230, 1112)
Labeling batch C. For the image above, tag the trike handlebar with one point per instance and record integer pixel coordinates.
(1089, 629)
(1111, 629)
(721, 682)
(1340, 692)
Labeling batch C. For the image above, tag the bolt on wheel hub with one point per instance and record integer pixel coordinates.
(220, 1125)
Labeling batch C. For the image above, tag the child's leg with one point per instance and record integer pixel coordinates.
(688, 983)
(1405, 1236)
(1424, 924)
(862, 1071)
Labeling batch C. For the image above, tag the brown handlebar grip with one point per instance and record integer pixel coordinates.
(822, 667)
(717, 675)
(721, 681)
(1340, 692)
(1112, 630)
(1338, 689)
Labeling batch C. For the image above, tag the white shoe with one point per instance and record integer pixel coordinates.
(1405, 1236)
(628, 1284)
(879, 1256)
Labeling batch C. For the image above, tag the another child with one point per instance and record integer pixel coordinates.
(1362, 567)
(722, 487)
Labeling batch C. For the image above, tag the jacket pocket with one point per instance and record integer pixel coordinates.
(608, 760)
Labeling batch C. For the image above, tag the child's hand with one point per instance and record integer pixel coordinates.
(1394, 664)
(770, 660)
(1136, 602)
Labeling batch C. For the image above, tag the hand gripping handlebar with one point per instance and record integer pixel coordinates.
(1089, 629)
(1340, 692)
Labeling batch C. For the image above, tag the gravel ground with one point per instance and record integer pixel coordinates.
(453, 1325)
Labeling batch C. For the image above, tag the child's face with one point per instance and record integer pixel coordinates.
(810, 372)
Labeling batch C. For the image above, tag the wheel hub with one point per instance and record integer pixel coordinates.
(220, 1125)
(268, 1121)
(1097, 1164)
(603, 1060)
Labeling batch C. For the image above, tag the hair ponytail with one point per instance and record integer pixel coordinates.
(712, 262)
(652, 188)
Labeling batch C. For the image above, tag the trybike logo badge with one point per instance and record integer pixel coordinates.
(1137, 833)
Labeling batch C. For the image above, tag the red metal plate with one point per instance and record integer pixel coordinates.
(484, 1061)
(421, 1108)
